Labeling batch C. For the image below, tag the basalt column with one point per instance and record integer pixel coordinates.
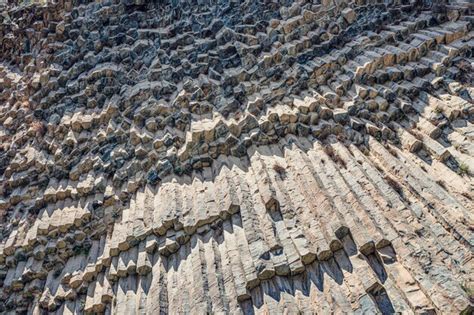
(236, 157)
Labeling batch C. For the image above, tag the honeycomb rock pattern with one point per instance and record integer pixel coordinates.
(236, 157)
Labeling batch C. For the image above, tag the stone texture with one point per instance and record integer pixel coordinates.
(247, 157)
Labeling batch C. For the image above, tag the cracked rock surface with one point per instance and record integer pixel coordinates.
(236, 157)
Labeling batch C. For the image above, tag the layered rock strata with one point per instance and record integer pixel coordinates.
(236, 157)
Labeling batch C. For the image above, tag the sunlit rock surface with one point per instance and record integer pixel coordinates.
(237, 157)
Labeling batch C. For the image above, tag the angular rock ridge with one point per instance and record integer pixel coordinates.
(236, 157)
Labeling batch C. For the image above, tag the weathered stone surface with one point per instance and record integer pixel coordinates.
(236, 157)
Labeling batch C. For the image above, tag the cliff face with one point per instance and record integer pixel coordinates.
(236, 157)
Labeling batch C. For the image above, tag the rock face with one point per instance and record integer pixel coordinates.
(268, 157)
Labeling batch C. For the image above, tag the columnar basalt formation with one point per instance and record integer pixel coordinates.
(267, 157)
